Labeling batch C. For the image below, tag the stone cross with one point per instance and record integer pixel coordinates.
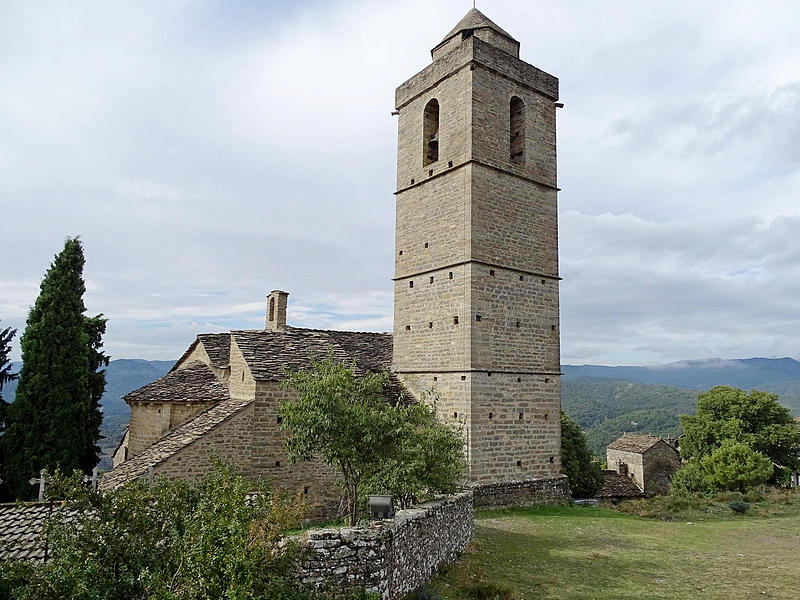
(41, 480)
(93, 479)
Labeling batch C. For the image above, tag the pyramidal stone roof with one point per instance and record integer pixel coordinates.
(475, 19)
(22, 528)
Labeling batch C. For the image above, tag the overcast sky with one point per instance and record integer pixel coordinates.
(208, 152)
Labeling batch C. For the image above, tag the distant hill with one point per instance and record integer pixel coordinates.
(122, 376)
(608, 401)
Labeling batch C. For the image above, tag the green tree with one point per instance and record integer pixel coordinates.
(577, 462)
(691, 478)
(427, 456)
(372, 444)
(755, 419)
(55, 419)
(6, 335)
(736, 467)
(195, 540)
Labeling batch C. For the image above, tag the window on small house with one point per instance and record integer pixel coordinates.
(623, 468)
(517, 130)
(430, 133)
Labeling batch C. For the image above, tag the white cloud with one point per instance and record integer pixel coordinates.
(210, 153)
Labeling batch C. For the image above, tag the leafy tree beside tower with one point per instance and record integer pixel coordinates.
(55, 418)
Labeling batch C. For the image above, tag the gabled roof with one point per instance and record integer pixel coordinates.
(21, 528)
(475, 19)
(216, 345)
(634, 442)
(270, 354)
(174, 441)
(195, 383)
(616, 485)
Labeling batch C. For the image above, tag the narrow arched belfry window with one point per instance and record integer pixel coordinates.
(517, 129)
(430, 133)
(272, 309)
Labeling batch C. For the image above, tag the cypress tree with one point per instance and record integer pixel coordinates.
(6, 335)
(55, 418)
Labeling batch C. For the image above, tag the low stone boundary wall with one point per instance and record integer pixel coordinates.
(391, 557)
(526, 492)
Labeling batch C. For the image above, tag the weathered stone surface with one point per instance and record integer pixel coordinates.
(391, 557)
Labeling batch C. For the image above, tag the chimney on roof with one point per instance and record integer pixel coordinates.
(276, 310)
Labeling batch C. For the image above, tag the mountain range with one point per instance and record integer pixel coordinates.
(605, 401)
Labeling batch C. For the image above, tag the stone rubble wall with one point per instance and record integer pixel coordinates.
(391, 557)
(526, 492)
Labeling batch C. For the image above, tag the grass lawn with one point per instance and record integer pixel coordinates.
(596, 553)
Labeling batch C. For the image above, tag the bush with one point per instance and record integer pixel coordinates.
(171, 539)
(691, 479)
(734, 466)
(577, 462)
(481, 590)
(739, 507)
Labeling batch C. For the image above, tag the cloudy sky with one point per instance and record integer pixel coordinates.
(208, 152)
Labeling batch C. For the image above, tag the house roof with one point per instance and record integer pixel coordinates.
(216, 345)
(21, 527)
(194, 383)
(172, 442)
(616, 485)
(475, 19)
(270, 354)
(634, 442)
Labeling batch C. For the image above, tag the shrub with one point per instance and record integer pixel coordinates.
(739, 506)
(577, 462)
(481, 590)
(734, 466)
(691, 479)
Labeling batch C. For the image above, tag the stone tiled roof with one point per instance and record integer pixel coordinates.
(172, 442)
(475, 19)
(195, 383)
(217, 346)
(634, 442)
(618, 486)
(271, 354)
(21, 528)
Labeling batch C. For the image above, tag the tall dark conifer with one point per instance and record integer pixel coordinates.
(55, 418)
(6, 335)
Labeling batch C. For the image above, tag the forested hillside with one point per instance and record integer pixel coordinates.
(607, 408)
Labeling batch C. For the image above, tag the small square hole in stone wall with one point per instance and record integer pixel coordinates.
(426, 244)
(463, 378)
(491, 272)
(435, 378)
(478, 318)
(277, 463)
(400, 253)
(430, 325)
(408, 327)
(412, 182)
(519, 463)
(306, 489)
(488, 373)
(450, 163)
(279, 420)
(431, 278)
(552, 327)
(552, 459)
(451, 275)
(491, 415)
(547, 380)
(455, 415)
(543, 281)
(517, 323)
(430, 172)
(455, 320)
(520, 415)
(546, 416)
(519, 379)
(522, 278)
(411, 284)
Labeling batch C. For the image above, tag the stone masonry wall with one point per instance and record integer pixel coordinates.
(391, 557)
(527, 492)
(632, 459)
(659, 464)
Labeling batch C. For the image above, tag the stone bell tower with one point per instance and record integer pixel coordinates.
(476, 313)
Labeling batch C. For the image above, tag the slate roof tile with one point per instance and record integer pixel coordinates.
(195, 383)
(22, 525)
(634, 442)
(616, 485)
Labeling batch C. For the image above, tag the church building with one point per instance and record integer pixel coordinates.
(476, 309)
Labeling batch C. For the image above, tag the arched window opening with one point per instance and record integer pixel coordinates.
(517, 149)
(430, 133)
(272, 309)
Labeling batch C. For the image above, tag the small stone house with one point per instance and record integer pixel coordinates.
(647, 460)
